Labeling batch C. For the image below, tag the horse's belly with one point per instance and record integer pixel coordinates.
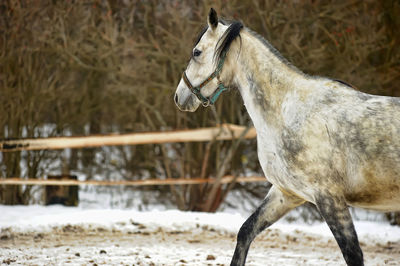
(384, 205)
(381, 198)
(375, 191)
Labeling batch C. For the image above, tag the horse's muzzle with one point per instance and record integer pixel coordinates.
(188, 106)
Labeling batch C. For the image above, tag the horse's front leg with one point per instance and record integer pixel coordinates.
(273, 207)
(337, 216)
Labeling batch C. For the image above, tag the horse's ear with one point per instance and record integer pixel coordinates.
(212, 19)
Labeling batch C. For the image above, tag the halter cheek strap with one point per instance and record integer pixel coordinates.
(210, 100)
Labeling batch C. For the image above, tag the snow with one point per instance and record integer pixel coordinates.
(36, 218)
(80, 235)
(121, 226)
(39, 218)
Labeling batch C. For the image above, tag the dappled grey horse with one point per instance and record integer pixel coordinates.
(319, 140)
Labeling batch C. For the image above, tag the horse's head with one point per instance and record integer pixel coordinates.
(201, 82)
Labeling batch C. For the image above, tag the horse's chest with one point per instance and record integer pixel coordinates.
(271, 162)
(276, 168)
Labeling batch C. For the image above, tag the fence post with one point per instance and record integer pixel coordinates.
(65, 195)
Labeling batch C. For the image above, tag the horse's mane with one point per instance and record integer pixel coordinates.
(226, 39)
(232, 33)
(273, 50)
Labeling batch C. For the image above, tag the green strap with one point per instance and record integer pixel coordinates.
(221, 88)
(206, 101)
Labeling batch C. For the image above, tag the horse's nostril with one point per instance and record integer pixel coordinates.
(176, 98)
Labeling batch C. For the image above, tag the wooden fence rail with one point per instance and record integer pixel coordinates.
(147, 182)
(223, 132)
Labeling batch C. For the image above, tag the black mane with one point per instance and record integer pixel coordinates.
(227, 38)
(273, 50)
(203, 30)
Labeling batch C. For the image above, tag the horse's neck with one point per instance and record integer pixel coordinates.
(264, 80)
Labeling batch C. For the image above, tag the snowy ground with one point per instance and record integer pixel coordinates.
(56, 235)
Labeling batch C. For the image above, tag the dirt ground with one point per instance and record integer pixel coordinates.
(74, 245)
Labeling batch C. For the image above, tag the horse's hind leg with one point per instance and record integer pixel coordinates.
(273, 207)
(337, 216)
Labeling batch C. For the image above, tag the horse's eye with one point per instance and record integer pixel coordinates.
(196, 52)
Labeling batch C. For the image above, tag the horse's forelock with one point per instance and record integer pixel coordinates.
(201, 35)
(227, 38)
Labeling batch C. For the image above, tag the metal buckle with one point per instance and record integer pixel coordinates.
(206, 103)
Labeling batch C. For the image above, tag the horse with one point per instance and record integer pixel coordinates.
(318, 140)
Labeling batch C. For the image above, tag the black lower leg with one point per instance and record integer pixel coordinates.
(337, 216)
(248, 231)
(274, 206)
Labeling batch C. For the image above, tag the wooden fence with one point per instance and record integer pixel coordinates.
(146, 182)
(223, 132)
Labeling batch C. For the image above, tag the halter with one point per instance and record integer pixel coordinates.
(210, 100)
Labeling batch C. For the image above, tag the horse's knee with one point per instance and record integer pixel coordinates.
(244, 232)
(274, 206)
(247, 232)
(249, 229)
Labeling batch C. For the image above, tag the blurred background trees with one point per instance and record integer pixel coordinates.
(97, 66)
